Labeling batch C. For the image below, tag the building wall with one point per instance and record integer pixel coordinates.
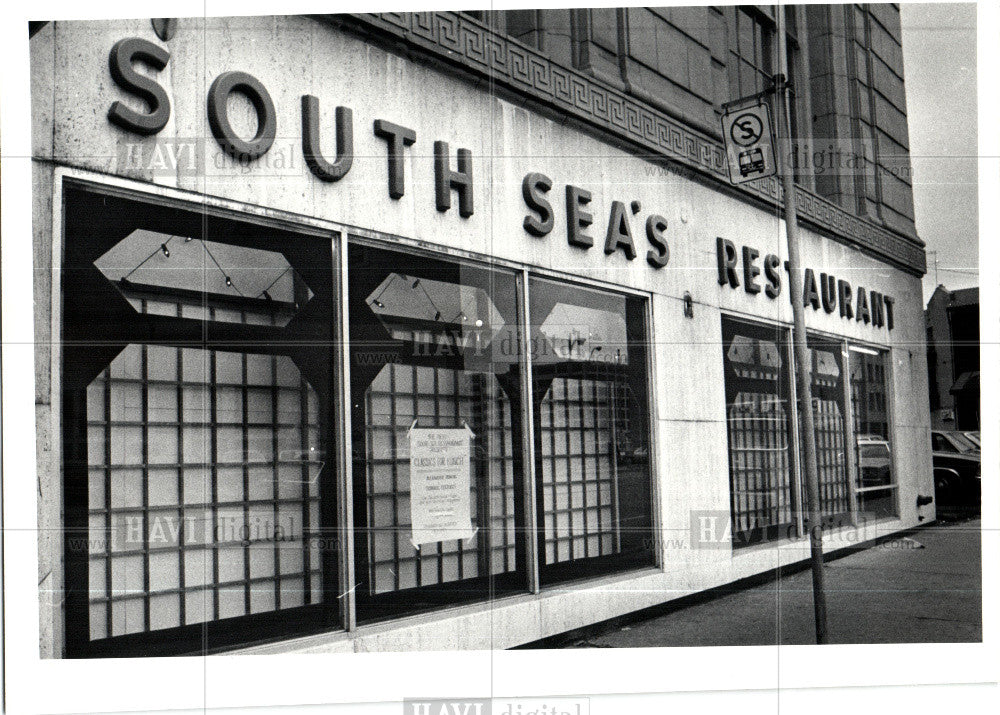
(856, 63)
(296, 56)
(846, 66)
(952, 322)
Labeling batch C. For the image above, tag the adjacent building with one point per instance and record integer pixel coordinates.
(448, 329)
(952, 319)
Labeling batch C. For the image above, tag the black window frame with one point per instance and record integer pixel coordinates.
(366, 334)
(640, 349)
(97, 323)
(784, 392)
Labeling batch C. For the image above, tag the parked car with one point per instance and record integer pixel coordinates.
(875, 493)
(952, 441)
(874, 460)
(975, 439)
(957, 474)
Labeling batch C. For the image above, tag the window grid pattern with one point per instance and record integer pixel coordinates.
(759, 432)
(831, 461)
(203, 486)
(759, 465)
(437, 397)
(579, 420)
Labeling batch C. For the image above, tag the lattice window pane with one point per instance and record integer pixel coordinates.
(575, 481)
(591, 428)
(759, 432)
(437, 397)
(203, 489)
(827, 386)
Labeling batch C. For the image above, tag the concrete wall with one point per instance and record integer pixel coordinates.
(295, 56)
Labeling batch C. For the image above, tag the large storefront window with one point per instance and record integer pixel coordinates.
(200, 431)
(196, 379)
(876, 486)
(591, 430)
(434, 347)
(759, 425)
(766, 495)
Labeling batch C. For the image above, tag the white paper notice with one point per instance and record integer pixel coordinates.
(440, 480)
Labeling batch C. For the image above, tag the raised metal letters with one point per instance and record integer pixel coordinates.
(218, 115)
(659, 255)
(577, 220)
(619, 232)
(123, 54)
(324, 170)
(396, 137)
(855, 303)
(445, 180)
(532, 188)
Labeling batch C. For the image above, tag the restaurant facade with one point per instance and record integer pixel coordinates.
(429, 331)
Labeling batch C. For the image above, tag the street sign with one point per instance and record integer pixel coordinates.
(749, 143)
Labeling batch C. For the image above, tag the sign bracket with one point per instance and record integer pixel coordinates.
(777, 82)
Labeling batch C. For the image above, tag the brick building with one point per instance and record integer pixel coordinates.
(952, 318)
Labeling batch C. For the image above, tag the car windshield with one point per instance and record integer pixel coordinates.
(974, 438)
(953, 442)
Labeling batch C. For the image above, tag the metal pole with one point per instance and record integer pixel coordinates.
(802, 357)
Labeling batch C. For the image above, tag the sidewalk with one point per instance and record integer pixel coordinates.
(891, 593)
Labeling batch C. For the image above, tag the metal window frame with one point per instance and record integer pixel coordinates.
(852, 452)
(796, 495)
(380, 240)
(657, 491)
(345, 491)
(523, 273)
(886, 352)
(847, 343)
(66, 178)
(340, 235)
(655, 507)
(528, 443)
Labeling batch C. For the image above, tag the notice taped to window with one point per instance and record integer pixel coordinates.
(440, 485)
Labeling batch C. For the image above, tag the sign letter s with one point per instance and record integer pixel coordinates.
(123, 54)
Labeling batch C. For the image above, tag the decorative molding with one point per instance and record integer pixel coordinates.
(462, 40)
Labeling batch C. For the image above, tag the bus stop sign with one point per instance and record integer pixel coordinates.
(749, 143)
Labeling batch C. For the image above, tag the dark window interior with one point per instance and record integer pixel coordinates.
(197, 359)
